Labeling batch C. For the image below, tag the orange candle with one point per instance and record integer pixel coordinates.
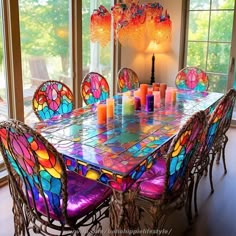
(163, 87)
(143, 93)
(110, 107)
(155, 86)
(101, 113)
(173, 95)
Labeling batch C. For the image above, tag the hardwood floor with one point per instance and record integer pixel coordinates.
(217, 212)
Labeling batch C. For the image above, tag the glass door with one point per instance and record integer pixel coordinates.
(45, 46)
(232, 68)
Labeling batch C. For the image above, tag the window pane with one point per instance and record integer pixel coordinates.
(3, 90)
(3, 83)
(44, 28)
(197, 54)
(95, 57)
(221, 26)
(223, 4)
(198, 26)
(199, 5)
(218, 57)
(217, 83)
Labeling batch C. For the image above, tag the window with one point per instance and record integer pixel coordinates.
(44, 43)
(209, 39)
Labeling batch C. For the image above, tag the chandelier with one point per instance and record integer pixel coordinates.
(135, 25)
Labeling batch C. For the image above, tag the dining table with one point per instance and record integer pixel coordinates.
(118, 151)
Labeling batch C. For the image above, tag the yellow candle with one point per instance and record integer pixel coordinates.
(101, 114)
(110, 107)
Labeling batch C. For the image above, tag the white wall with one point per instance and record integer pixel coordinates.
(167, 64)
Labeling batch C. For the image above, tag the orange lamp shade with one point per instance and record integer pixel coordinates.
(100, 26)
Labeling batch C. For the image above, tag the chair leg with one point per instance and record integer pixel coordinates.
(210, 172)
(224, 145)
(195, 193)
(188, 206)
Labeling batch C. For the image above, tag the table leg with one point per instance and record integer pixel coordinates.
(124, 215)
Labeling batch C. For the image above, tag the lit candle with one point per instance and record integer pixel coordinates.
(143, 93)
(101, 113)
(110, 107)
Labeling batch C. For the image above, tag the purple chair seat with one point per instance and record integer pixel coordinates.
(84, 195)
(151, 183)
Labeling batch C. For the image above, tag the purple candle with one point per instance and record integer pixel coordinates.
(150, 103)
(137, 104)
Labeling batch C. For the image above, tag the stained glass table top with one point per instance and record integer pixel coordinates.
(118, 152)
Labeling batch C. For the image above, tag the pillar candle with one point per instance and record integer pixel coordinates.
(150, 90)
(173, 95)
(127, 106)
(143, 93)
(137, 103)
(101, 113)
(168, 96)
(155, 86)
(157, 99)
(149, 102)
(137, 93)
(110, 107)
(163, 87)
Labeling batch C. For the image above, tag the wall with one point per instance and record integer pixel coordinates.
(167, 64)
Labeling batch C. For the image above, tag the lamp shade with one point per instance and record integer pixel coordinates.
(100, 26)
(135, 25)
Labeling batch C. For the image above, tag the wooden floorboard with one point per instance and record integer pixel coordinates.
(217, 211)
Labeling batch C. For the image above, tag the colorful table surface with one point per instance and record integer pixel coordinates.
(118, 152)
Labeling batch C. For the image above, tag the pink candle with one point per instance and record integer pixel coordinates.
(168, 95)
(110, 107)
(101, 113)
(157, 99)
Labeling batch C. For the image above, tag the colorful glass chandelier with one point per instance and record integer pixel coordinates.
(135, 25)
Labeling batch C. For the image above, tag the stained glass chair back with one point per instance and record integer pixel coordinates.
(127, 80)
(43, 191)
(94, 88)
(181, 154)
(192, 78)
(52, 98)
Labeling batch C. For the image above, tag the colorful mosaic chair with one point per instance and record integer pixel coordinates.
(168, 185)
(47, 198)
(94, 88)
(192, 78)
(52, 98)
(215, 140)
(127, 80)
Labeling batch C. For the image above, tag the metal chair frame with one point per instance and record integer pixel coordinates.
(27, 216)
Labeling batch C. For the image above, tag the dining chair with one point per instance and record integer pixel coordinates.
(168, 185)
(222, 136)
(215, 140)
(94, 88)
(127, 80)
(52, 98)
(47, 198)
(192, 78)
